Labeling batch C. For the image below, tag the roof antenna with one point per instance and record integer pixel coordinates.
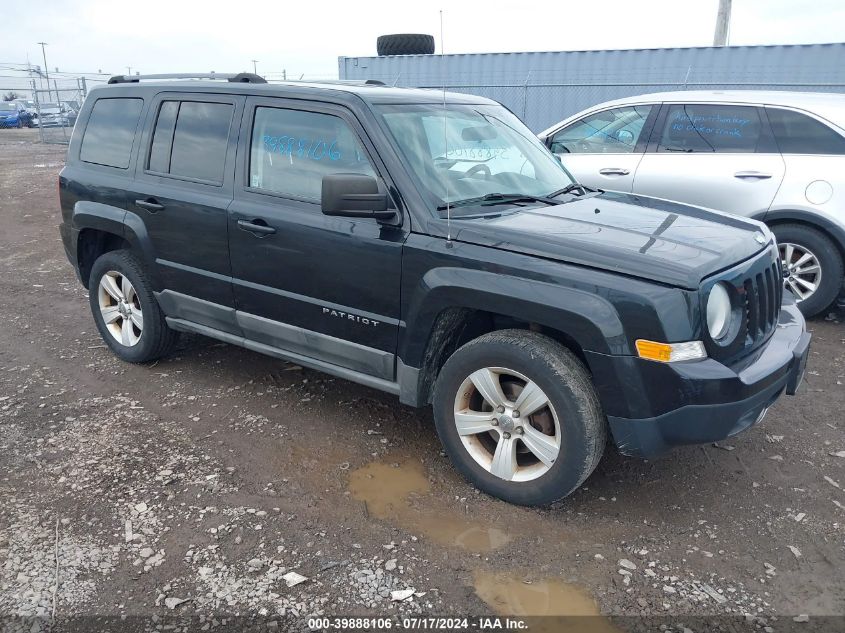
(445, 141)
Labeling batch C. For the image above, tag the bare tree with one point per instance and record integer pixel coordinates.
(10, 96)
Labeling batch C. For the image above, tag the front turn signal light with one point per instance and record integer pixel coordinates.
(671, 352)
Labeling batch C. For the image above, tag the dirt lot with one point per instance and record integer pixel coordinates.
(193, 486)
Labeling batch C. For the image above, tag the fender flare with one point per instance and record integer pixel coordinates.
(587, 318)
(833, 230)
(120, 222)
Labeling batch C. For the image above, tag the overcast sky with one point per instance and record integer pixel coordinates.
(308, 36)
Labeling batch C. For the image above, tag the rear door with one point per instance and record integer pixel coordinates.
(182, 190)
(720, 156)
(604, 149)
(323, 287)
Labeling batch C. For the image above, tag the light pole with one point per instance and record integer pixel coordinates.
(46, 71)
(129, 70)
(723, 23)
(255, 66)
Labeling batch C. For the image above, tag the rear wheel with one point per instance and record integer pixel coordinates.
(126, 311)
(812, 266)
(518, 416)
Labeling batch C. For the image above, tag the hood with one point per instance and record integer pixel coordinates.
(643, 237)
(8, 113)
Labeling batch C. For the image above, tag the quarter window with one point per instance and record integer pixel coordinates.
(190, 140)
(292, 150)
(797, 133)
(711, 128)
(110, 132)
(615, 131)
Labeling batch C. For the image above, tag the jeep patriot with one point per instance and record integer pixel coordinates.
(428, 245)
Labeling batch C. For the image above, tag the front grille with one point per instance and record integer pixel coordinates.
(763, 292)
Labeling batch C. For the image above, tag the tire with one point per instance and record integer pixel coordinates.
(572, 413)
(405, 44)
(137, 344)
(829, 262)
(19, 124)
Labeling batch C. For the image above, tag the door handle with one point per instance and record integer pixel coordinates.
(614, 171)
(150, 204)
(752, 175)
(257, 227)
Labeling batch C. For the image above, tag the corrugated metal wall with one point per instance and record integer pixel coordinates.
(544, 88)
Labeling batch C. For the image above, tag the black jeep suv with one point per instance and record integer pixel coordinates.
(427, 245)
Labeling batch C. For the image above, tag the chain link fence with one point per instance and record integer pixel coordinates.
(57, 107)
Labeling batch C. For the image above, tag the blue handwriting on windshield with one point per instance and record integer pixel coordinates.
(301, 147)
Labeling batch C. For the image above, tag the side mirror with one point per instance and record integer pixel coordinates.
(354, 196)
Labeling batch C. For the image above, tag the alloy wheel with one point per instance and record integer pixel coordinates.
(507, 424)
(120, 308)
(802, 272)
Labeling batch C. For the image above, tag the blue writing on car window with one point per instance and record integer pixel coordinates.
(312, 149)
(713, 124)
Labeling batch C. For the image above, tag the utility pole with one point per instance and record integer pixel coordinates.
(723, 23)
(46, 70)
(129, 70)
(254, 66)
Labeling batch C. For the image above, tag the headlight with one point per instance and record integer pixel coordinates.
(718, 311)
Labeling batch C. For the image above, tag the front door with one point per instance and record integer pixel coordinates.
(322, 287)
(604, 149)
(712, 155)
(182, 190)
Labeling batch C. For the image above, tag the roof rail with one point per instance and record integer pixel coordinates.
(247, 78)
(341, 82)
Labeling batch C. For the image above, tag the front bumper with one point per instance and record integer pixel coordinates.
(713, 401)
(11, 122)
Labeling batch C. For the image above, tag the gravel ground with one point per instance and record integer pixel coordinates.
(218, 486)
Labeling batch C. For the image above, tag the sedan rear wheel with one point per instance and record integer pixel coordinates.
(812, 266)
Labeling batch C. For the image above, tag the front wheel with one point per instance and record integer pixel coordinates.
(812, 267)
(519, 417)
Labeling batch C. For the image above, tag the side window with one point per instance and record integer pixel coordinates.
(292, 150)
(110, 132)
(615, 131)
(711, 128)
(796, 133)
(163, 137)
(190, 140)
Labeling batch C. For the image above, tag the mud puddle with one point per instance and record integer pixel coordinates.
(557, 605)
(386, 491)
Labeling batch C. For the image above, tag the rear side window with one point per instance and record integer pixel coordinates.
(190, 140)
(110, 132)
(796, 133)
(711, 128)
(163, 137)
(292, 150)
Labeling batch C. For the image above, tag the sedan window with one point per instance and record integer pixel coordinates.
(711, 129)
(797, 133)
(613, 131)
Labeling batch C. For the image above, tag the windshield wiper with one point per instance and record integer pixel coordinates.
(575, 186)
(492, 199)
(677, 149)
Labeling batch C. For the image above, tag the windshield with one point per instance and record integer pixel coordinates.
(7, 106)
(466, 152)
